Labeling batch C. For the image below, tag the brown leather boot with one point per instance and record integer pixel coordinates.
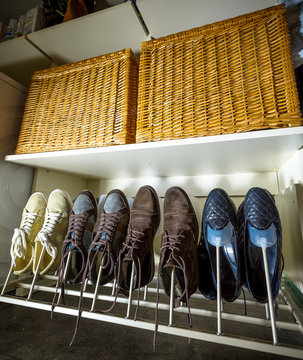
(179, 246)
(138, 246)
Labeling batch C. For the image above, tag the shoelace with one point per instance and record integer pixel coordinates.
(74, 237)
(50, 222)
(19, 246)
(104, 237)
(134, 237)
(171, 243)
(102, 242)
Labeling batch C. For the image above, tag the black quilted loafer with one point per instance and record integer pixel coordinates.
(219, 218)
(259, 225)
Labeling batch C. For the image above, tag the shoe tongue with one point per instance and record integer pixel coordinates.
(82, 204)
(113, 203)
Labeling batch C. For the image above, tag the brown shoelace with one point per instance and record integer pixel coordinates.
(134, 239)
(102, 242)
(72, 241)
(171, 243)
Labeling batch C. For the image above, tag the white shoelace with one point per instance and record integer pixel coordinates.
(51, 220)
(19, 246)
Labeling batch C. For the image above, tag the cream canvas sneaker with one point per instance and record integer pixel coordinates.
(52, 234)
(23, 240)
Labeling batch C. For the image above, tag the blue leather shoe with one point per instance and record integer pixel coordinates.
(259, 226)
(219, 228)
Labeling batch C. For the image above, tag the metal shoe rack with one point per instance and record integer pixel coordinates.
(273, 325)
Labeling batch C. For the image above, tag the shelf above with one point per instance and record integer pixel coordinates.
(92, 35)
(170, 16)
(19, 59)
(256, 151)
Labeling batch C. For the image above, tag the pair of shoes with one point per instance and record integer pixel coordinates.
(41, 231)
(122, 234)
(240, 236)
(124, 241)
(123, 237)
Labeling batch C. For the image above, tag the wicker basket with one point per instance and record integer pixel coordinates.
(232, 76)
(90, 103)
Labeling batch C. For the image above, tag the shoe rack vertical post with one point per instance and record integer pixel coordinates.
(7, 279)
(219, 309)
(36, 274)
(270, 299)
(171, 298)
(97, 283)
(64, 275)
(131, 287)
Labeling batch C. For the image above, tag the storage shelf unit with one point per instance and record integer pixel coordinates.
(235, 161)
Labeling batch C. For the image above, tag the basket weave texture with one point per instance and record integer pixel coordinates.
(231, 76)
(90, 103)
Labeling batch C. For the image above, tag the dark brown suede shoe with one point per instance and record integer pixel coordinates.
(138, 246)
(179, 245)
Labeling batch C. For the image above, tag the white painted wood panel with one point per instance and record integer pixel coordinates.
(46, 181)
(12, 101)
(233, 184)
(292, 171)
(95, 34)
(19, 59)
(165, 17)
(289, 203)
(253, 152)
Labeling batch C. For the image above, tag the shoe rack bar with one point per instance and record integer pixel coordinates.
(183, 309)
(250, 344)
(292, 326)
(161, 292)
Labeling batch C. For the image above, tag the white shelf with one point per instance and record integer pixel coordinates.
(19, 59)
(257, 151)
(96, 34)
(170, 16)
